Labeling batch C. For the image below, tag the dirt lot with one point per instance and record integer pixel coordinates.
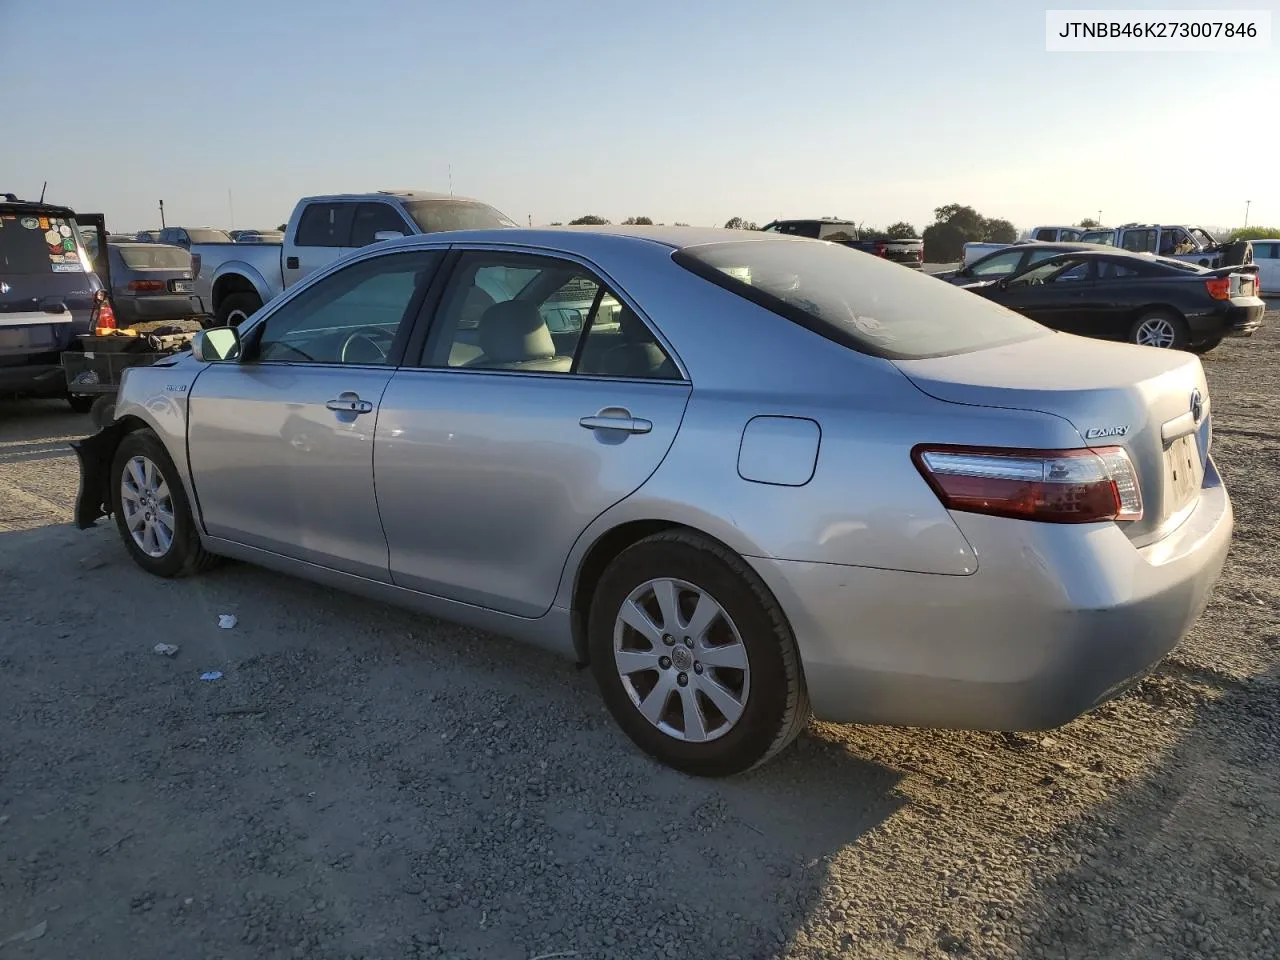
(365, 783)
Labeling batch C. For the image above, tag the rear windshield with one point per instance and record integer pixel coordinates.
(36, 244)
(208, 236)
(871, 305)
(433, 216)
(149, 257)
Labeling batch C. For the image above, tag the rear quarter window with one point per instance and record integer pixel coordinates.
(859, 301)
(154, 257)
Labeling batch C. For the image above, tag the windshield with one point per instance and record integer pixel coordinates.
(154, 257)
(873, 306)
(1099, 236)
(36, 244)
(208, 236)
(433, 216)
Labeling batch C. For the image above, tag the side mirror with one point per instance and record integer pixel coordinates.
(216, 344)
(387, 235)
(1003, 283)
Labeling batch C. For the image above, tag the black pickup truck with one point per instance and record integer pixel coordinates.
(909, 253)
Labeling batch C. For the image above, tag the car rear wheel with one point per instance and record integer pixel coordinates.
(237, 308)
(1159, 329)
(151, 509)
(694, 657)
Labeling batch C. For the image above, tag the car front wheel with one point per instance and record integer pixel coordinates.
(694, 657)
(151, 509)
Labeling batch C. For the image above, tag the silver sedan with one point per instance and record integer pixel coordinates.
(743, 477)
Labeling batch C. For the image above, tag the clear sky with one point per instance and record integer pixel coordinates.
(691, 110)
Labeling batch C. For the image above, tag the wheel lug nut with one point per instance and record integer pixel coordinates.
(664, 663)
(668, 639)
(697, 668)
(683, 679)
(688, 642)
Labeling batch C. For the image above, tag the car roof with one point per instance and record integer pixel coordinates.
(585, 239)
(392, 194)
(32, 207)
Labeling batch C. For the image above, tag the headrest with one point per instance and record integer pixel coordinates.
(514, 331)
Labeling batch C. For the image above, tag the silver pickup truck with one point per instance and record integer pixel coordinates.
(236, 279)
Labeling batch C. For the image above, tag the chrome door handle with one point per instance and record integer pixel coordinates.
(616, 419)
(349, 403)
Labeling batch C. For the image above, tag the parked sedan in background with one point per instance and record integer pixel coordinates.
(778, 476)
(185, 236)
(1009, 260)
(1147, 300)
(151, 281)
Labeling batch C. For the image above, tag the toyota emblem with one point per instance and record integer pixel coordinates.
(1197, 405)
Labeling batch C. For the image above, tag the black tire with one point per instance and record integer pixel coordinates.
(777, 704)
(184, 555)
(1204, 346)
(238, 307)
(1181, 334)
(103, 411)
(80, 403)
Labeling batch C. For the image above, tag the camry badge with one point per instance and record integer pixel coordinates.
(1197, 405)
(1097, 433)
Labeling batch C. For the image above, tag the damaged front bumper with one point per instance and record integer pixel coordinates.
(96, 454)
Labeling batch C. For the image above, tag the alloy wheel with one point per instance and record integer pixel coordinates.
(148, 507)
(1155, 332)
(681, 660)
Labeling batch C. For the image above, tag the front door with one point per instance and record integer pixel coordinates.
(281, 443)
(518, 429)
(323, 234)
(1054, 293)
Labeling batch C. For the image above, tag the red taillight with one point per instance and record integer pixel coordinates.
(195, 265)
(146, 286)
(1219, 288)
(1052, 486)
(105, 319)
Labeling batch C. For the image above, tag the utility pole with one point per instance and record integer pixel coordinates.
(231, 210)
(161, 214)
(1246, 212)
(1099, 218)
(451, 179)
(531, 219)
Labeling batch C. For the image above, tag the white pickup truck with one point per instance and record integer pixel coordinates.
(236, 279)
(972, 251)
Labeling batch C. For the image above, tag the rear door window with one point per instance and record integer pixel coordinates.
(38, 244)
(373, 217)
(325, 225)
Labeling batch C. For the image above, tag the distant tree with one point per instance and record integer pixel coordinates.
(590, 220)
(557, 224)
(282, 227)
(955, 225)
(679, 223)
(900, 231)
(1254, 233)
(738, 223)
(638, 222)
(1088, 223)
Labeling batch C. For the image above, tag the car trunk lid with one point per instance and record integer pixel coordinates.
(1152, 402)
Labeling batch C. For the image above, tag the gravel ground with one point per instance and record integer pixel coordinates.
(366, 783)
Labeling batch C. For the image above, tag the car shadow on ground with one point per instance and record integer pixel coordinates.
(360, 781)
(1178, 865)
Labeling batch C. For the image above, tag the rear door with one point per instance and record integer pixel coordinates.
(46, 290)
(323, 234)
(509, 438)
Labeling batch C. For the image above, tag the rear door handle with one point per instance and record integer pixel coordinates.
(349, 403)
(616, 418)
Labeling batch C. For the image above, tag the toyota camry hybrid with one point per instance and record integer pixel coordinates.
(749, 478)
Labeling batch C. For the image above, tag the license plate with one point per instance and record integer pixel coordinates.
(181, 286)
(1183, 473)
(24, 337)
(1246, 288)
